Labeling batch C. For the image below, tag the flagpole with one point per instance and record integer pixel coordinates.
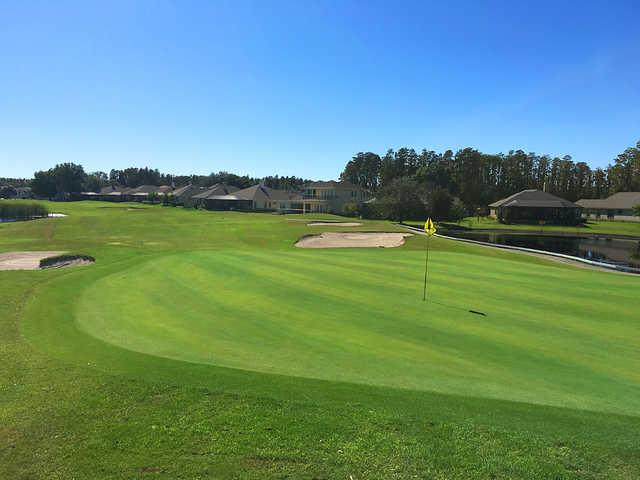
(426, 269)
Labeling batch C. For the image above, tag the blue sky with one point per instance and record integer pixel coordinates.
(297, 88)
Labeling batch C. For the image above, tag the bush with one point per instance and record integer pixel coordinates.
(350, 209)
(22, 211)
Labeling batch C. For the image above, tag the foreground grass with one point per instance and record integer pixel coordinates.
(72, 405)
(612, 227)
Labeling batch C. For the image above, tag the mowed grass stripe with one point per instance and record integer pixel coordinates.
(520, 324)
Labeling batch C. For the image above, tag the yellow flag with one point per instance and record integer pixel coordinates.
(429, 227)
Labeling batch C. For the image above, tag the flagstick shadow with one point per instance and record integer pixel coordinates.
(453, 307)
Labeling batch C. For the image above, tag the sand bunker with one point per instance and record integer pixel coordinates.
(334, 224)
(31, 260)
(353, 240)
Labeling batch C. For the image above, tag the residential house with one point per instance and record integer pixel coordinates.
(24, 192)
(185, 195)
(205, 198)
(331, 196)
(110, 193)
(255, 198)
(141, 193)
(536, 206)
(618, 206)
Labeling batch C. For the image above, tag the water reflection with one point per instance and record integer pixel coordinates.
(616, 251)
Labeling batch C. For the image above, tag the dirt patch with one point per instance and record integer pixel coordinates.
(32, 260)
(334, 224)
(353, 240)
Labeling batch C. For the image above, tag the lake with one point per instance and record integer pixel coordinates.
(615, 251)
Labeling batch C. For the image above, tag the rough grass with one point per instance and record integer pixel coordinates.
(323, 340)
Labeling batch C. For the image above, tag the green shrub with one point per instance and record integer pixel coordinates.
(350, 209)
(22, 211)
(58, 259)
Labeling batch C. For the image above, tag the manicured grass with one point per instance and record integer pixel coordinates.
(612, 227)
(204, 345)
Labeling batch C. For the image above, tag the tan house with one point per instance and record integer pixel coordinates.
(331, 196)
(257, 197)
(617, 207)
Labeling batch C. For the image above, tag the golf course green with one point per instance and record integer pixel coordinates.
(206, 345)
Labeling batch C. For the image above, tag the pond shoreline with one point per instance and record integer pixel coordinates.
(548, 233)
(550, 255)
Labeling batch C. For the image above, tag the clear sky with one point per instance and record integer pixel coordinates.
(297, 88)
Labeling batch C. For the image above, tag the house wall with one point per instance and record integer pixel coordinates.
(610, 214)
(561, 216)
(333, 199)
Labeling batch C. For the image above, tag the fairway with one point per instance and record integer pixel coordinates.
(193, 328)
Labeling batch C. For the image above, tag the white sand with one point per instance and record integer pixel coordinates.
(334, 224)
(24, 260)
(353, 240)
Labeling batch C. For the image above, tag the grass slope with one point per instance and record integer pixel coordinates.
(322, 339)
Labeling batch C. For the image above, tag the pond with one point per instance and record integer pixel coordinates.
(621, 252)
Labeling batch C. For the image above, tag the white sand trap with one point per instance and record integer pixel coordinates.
(334, 224)
(31, 260)
(24, 260)
(57, 215)
(353, 240)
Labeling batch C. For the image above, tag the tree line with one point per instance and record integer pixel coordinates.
(67, 179)
(406, 182)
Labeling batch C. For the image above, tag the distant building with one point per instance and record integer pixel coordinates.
(112, 193)
(109, 193)
(257, 198)
(24, 192)
(185, 195)
(535, 206)
(317, 197)
(618, 206)
(204, 198)
(141, 193)
(331, 196)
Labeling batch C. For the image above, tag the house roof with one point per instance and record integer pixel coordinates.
(216, 190)
(534, 198)
(255, 192)
(186, 189)
(151, 189)
(260, 191)
(617, 201)
(111, 189)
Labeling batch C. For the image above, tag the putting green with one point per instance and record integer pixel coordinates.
(357, 316)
